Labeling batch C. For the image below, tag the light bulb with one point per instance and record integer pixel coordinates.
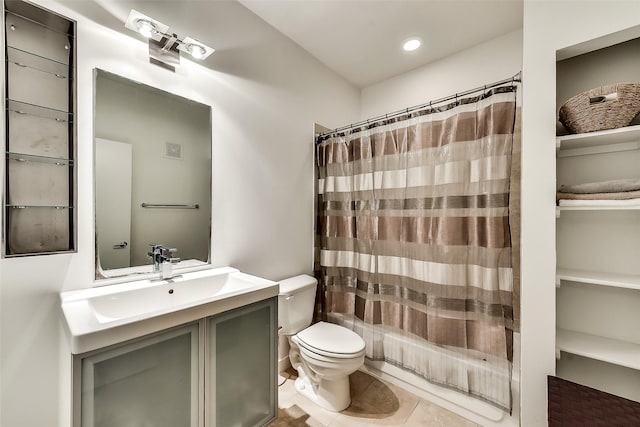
(146, 28)
(411, 44)
(196, 51)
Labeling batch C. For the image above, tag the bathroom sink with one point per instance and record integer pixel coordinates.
(145, 270)
(103, 316)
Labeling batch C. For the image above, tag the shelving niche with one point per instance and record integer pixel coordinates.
(39, 196)
(598, 243)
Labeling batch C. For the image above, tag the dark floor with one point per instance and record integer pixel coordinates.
(574, 405)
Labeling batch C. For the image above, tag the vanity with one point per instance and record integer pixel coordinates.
(196, 350)
(163, 339)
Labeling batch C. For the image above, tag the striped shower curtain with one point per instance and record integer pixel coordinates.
(413, 241)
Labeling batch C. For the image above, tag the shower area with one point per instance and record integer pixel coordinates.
(417, 242)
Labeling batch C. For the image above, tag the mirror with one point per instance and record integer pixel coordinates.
(152, 172)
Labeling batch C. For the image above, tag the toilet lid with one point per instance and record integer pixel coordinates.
(331, 339)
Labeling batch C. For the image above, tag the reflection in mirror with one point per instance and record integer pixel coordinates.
(152, 177)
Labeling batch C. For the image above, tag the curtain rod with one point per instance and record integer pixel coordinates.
(514, 79)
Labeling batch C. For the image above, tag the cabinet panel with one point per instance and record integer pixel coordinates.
(244, 366)
(37, 63)
(33, 182)
(152, 382)
(49, 39)
(37, 229)
(218, 371)
(37, 87)
(37, 131)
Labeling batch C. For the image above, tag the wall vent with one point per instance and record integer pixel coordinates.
(173, 150)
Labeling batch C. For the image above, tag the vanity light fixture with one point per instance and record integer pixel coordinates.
(146, 28)
(145, 25)
(163, 44)
(195, 48)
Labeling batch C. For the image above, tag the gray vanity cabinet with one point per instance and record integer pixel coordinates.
(243, 366)
(153, 381)
(39, 190)
(216, 372)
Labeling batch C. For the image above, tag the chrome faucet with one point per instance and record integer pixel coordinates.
(162, 259)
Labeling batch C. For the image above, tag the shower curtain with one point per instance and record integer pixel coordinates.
(413, 241)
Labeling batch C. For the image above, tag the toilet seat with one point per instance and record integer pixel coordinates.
(331, 340)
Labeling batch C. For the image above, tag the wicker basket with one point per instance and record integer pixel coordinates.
(605, 107)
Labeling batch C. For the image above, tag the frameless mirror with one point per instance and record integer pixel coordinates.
(152, 176)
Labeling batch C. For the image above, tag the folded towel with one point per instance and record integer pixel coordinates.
(613, 186)
(623, 195)
(589, 203)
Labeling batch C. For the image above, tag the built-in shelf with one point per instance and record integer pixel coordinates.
(20, 107)
(39, 206)
(628, 281)
(39, 145)
(21, 157)
(614, 205)
(608, 350)
(24, 59)
(598, 284)
(606, 141)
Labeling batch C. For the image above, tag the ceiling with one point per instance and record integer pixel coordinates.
(359, 39)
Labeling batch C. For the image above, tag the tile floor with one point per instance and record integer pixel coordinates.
(373, 403)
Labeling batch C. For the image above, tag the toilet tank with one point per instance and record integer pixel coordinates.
(296, 303)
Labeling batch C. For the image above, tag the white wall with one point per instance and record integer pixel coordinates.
(264, 107)
(263, 111)
(548, 26)
(488, 62)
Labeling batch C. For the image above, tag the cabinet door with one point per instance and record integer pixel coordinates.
(150, 382)
(242, 366)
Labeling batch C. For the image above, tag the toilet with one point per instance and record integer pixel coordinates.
(324, 354)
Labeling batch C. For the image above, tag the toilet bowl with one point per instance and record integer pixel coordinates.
(324, 354)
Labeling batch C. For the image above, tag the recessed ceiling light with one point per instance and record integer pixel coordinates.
(412, 44)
